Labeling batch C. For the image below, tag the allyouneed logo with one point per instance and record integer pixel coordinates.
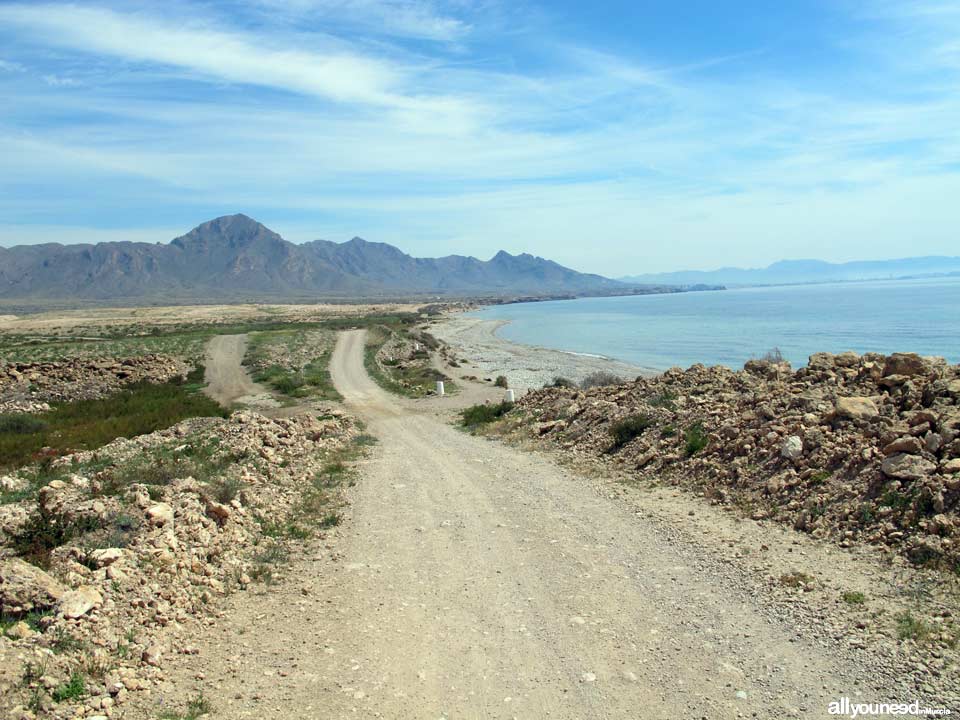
(845, 707)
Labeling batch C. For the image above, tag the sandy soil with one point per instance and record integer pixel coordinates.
(525, 366)
(475, 580)
(228, 381)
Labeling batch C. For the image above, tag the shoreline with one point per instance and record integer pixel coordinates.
(484, 353)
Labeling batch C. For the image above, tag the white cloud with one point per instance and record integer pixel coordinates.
(393, 18)
(337, 75)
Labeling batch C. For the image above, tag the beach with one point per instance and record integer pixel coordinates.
(483, 353)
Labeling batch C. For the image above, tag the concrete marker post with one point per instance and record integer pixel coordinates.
(440, 388)
(511, 397)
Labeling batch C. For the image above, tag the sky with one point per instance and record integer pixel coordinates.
(613, 137)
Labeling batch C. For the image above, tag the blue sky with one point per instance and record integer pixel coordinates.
(615, 137)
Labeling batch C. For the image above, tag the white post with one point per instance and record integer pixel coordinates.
(510, 396)
(440, 387)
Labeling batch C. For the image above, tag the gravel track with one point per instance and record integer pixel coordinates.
(475, 580)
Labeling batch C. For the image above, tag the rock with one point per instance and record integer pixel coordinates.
(218, 511)
(20, 631)
(25, 587)
(77, 603)
(907, 467)
(791, 448)
(159, 514)
(909, 364)
(108, 556)
(153, 655)
(856, 408)
(951, 466)
(906, 444)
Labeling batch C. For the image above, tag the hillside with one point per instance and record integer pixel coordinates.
(235, 257)
(787, 272)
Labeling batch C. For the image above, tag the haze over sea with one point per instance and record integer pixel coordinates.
(729, 327)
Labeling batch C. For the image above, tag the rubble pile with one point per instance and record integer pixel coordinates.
(859, 449)
(28, 387)
(142, 551)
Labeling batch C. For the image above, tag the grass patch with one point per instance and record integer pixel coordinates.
(694, 439)
(853, 597)
(630, 427)
(72, 690)
(197, 707)
(477, 415)
(913, 628)
(561, 382)
(89, 424)
(501, 381)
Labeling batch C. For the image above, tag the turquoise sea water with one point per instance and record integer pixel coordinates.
(729, 327)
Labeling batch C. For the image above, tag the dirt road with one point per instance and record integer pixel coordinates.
(478, 581)
(227, 380)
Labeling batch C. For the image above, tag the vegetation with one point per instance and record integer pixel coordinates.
(630, 427)
(412, 379)
(796, 579)
(695, 439)
(501, 381)
(75, 688)
(477, 415)
(600, 378)
(773, 355)
(287, 373)
(88, 424)
(561, 382)
(853, 597)
(197, 707)
(912, 628)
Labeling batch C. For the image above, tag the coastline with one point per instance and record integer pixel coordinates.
(485, 354)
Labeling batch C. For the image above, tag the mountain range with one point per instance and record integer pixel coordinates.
(788, 272)
(236, 258)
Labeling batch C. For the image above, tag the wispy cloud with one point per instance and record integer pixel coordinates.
(414, 122)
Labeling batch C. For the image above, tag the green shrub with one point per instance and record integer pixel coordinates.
(600, 378)
(501, 381)
(695, 439)
(21, 423)
(911, 628)
(561, 382)
(72, 690)
(482, 414)
(630, 427)
(42, 533)
(853, 597)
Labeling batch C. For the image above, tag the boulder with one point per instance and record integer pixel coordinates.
(79, 602)
(856, 408)
(160, 514)
(909, 364)
(24, 587)
(105, 557)
(907, 467)
(906, 444)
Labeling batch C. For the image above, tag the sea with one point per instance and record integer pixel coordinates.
(729, 327)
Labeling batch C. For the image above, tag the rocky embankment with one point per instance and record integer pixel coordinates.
(29, 387)
(856, 449)
(110, 560)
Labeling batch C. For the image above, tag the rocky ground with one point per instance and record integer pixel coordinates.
(862, 449)
(112, 559)
(30, 387)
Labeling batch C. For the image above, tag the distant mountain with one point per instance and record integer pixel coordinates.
(235, 257)
(808, 271)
